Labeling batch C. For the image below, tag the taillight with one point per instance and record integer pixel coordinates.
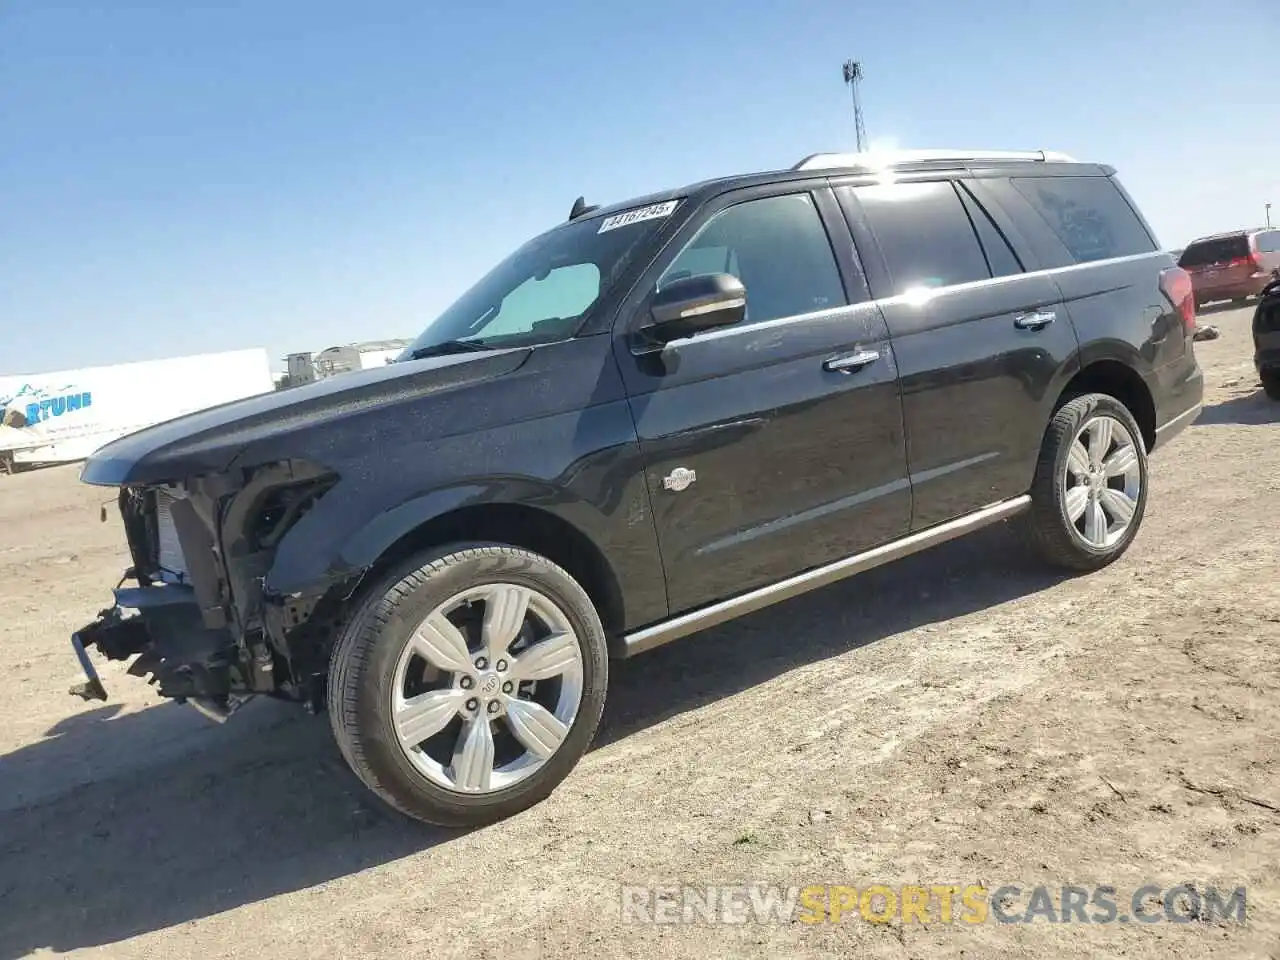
(1175, 283)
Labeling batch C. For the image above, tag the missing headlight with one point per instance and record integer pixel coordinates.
(284, 506)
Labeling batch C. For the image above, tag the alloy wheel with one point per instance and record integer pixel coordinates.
(1102, 484)
(487, 688)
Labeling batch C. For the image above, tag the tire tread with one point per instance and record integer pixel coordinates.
(357, 640)
(1043, 525)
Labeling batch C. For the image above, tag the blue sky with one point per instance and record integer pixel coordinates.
(179, 177)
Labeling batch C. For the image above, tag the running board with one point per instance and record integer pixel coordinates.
(661, 633)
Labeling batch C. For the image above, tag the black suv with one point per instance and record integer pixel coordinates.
(1266, 339)
(646, 421)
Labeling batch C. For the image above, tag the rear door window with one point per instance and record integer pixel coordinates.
(1089, 215)
(924, 233)
(1220, 250)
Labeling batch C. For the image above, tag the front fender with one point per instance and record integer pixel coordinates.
(320, 551)
(308, 566)
(374, 539)
(325, 549)
(565, 444)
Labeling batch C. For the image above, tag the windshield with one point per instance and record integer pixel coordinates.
(543, 291)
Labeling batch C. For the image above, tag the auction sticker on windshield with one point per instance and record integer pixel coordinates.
(654, 212)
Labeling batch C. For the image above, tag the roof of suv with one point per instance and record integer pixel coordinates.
(1228, 234)
(849, 163)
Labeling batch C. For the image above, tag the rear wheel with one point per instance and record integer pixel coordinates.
(1090, 488)
(1271, 383)
(467, 685)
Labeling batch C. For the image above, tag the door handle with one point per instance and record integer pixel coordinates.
(851, 362)
(1035, 320)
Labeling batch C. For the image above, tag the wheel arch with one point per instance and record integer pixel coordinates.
(1116, 378)
(519, 525)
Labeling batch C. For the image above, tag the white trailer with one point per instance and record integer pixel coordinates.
(66, 416)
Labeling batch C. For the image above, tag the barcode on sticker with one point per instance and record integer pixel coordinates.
(652, 212)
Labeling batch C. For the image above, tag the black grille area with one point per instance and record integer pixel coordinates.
(171, 565)
(139, 527)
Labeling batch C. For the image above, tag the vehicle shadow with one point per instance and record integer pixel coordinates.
(965, 576)
(1224, 306)
(118, 824)
(1252, 409)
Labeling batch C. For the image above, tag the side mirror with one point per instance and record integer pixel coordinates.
(693, 304)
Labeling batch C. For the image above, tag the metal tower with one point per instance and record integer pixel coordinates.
(853, 77)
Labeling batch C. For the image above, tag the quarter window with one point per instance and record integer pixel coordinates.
(777, 247)
(1090, 216)
(924, 233)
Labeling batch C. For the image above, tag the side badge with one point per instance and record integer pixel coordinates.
(679, 479)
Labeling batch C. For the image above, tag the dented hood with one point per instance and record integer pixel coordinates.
(298, 421)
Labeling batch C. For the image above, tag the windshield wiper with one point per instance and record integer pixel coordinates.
(448, 346)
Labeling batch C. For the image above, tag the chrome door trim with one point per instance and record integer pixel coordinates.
(639, 641)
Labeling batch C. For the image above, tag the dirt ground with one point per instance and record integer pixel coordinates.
(960, 717)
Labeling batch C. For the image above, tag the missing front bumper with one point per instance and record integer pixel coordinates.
(168, 641)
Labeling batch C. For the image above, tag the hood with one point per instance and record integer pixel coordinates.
(209, 441)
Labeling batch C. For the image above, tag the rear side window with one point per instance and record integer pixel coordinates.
(1089, 215)
(1220, 250)
(924, 233)
(1269, 241)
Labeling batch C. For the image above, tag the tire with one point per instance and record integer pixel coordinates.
(1271, 383)
(378, 674)
(1048, 524)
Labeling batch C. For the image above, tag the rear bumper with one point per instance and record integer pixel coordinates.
(1184, 399)
(1206, 291)
(1175, 426)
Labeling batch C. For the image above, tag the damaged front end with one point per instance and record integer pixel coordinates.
(192, 613)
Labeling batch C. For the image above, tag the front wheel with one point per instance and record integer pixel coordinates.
(468, 684)
(1090, 488)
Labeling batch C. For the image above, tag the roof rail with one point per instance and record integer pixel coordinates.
(879, 159)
